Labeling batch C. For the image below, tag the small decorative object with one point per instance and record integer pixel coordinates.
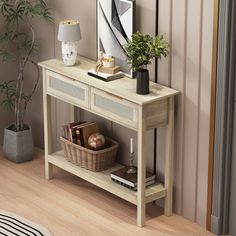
(96, 141)
(132, 169)
(108, 62)
(19, 44)
(69, 34)
(106, 65)
(99, 62)
(140, 51)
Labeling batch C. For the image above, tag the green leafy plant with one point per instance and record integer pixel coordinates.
(141, 49)
(17, 43)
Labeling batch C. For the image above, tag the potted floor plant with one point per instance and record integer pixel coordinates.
(18, 43)
(140, 50)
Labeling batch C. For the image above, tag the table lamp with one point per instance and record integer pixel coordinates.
(69, 34)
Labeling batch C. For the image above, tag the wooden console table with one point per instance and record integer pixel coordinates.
(118, 102)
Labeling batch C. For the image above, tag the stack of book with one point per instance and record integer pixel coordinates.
(105, 76)
(79, 132)
(130, 180)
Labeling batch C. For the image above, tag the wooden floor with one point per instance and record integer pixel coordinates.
(69, 206)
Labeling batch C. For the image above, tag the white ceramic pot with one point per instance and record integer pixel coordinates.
(69, 53)
(108, 64)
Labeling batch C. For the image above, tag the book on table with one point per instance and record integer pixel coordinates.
(130, 179)
(105, 76)
(109, 70)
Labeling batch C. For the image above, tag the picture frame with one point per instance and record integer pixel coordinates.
(115, 25)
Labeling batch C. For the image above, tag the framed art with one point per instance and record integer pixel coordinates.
(115, 25)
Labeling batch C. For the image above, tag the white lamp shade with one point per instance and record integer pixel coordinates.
(69, 31)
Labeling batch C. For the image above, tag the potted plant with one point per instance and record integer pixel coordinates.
(17, 43)
(140, 51)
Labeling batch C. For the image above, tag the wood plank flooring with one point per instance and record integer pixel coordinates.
(69, 206)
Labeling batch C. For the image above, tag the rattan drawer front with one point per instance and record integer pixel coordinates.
(113, 107)
(67, 89)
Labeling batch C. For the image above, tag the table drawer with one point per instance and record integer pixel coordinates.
(67, 89)
(114, 107)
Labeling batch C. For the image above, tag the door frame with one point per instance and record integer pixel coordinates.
(212, 114)
(220, 152)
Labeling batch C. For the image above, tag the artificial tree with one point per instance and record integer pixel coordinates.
(18, 43)
(140, 50)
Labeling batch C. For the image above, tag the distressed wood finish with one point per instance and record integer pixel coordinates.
(141, 209)
(169, 158)
(47, 128)
(156, 114)
(103, 180)
(123, 88)
(121, 105)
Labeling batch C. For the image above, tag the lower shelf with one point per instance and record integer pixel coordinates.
(103, 180)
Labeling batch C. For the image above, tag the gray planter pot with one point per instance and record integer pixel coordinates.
(18, 146)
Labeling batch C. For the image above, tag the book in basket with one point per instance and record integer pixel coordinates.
(121, 176)
(83, 131)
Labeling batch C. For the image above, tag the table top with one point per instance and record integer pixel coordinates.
(124, 87)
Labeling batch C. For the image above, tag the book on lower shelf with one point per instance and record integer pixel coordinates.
(104, 76)
(136, 187)
(129, 180)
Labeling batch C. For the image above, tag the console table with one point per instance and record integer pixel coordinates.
(118, 102)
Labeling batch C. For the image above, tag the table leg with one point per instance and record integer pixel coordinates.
(47, 129)
(169, 159)
(141, 205)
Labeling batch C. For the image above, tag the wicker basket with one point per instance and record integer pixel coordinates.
(90, 159)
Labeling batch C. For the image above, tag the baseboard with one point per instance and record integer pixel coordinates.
(215, 225)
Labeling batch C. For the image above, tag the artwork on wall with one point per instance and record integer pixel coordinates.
(115, 23)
